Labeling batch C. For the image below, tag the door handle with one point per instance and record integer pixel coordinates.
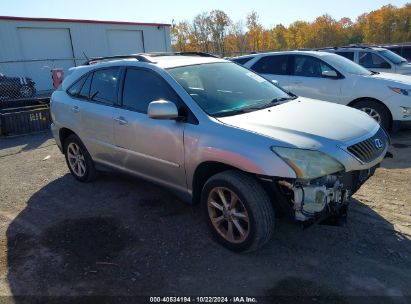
(298, 82)
(121, 120)
(75, 109)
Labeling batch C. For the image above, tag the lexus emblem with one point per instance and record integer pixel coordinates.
(378, 143)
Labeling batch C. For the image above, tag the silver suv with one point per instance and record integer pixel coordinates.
(376, 59)
(218, 134)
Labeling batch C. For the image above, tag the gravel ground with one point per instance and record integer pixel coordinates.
(123, 236)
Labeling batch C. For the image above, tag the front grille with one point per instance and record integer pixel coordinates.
(371, 148)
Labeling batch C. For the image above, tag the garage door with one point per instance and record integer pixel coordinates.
(52, 46)
(121, 42)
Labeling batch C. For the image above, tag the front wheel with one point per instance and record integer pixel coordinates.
(376, 111)
(238, 211)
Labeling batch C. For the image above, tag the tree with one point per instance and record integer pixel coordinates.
(179, 35)
(215, 32)
(255, 30)
(296, 35)
(324, 32)
(218, 23)
(201, 31)
(278, 35)
(237, 38)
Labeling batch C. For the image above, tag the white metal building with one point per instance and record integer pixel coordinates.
(31, 47)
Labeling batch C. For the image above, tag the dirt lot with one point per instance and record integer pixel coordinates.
(123, 236)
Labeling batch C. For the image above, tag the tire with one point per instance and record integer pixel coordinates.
(27, 91)
(252, 201)
(370, 105)
(85, 170)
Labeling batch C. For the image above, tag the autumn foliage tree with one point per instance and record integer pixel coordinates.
(215, 32)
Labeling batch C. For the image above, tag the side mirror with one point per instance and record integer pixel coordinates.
(329, 74)
(385, 65)
(162, 109)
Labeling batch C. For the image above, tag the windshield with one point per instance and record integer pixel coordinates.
(391, 56)
(345, 65)
(225, 88)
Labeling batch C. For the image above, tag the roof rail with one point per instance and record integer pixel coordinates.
(201, 54)
(351, 46)
(359, 46)
(145, 57)
(326, 48)
(139, 57)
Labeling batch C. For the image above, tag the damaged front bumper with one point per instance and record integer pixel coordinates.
(328, 195)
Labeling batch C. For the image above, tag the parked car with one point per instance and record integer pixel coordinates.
(329, 77)
(16, 87)
(218, 134)
(402, 49)
(374, 58)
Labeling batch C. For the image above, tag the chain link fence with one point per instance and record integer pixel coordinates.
(25, 90)
(35, 78)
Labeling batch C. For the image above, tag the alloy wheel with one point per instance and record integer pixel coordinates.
(373, 113)
(76, 159)
(228, 215)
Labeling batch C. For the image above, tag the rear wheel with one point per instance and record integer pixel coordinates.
(238, 211)
(376, 111)
(78, 159)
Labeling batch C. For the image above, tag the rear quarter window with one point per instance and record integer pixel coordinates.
(242, 60)
(75, 88)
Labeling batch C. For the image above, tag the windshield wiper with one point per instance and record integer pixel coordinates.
(230, 113)
(272, 103)
(279, 99)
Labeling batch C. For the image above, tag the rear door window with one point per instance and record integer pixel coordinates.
(276, 64)
(104, 86)
(348, 55)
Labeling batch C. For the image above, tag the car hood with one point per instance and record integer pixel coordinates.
(305, 123)
(393, 78)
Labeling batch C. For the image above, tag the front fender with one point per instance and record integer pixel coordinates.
(247, 152)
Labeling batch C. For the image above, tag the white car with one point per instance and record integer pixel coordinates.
(374, 58)
(330, 77)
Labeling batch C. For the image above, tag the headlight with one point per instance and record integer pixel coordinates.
(308, 164)
(400, 91)
(405, 112)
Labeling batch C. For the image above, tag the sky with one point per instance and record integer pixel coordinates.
(164, 11)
